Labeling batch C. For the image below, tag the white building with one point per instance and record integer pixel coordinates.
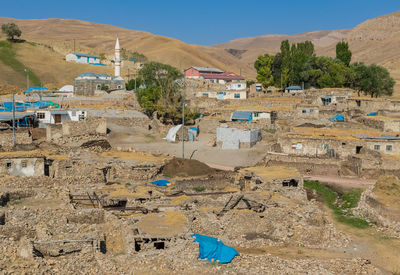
(58, 116)
(82, 58)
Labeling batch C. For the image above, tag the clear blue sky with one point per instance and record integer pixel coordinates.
(208, 22)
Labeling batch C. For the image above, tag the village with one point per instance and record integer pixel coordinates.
(91, 183)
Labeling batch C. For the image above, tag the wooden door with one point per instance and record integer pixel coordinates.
(57, 118)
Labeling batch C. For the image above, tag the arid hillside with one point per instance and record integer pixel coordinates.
(374, 41)
(57, 36)
(254, 46)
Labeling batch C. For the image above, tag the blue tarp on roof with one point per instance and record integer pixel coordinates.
(160, 182)
(242, 116)
(372, 114)
(212, 250)
(86, 55)
(338, 117)
(98, 64)
(35, 89)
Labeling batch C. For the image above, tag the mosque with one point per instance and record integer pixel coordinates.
(87, 84)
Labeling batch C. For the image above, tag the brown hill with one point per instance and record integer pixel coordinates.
(374, 41)
(94, 38)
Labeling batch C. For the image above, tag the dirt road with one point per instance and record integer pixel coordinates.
(342, 182)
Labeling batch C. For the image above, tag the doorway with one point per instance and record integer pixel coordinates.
(358, 149)
(57, 118)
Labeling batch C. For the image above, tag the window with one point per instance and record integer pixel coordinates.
(8, 164)
(40, 115)
(24, 164)
(73, 113)
(237, 95)
(205, 94)
(311, 111)
(239, 85)
(119, 87)
(98, 87)
(304, 111)
(256, 114)
(388, 147)
(377, 147)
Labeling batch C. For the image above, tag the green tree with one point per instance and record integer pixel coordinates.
(375, 80)
(11, 30)
(263, 65)
(285, 63)
(163, 90)
(343, 53)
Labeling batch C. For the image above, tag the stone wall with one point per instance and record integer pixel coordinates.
(87, 87)
(22, 137)
(90, 126)
(53, 132)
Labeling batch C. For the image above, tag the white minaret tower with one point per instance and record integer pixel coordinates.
(117, 59)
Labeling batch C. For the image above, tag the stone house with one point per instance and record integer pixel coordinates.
(22, 163)
(336, 143)
(382, 123)
(87, 84)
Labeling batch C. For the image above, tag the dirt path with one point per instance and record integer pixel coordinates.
(342, 182)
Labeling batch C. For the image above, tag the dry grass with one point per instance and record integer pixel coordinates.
(387, 190)
(98, 38)
(139, 156)
(273, 172)
(163, 224)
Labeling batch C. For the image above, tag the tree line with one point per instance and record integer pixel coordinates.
(297, 64)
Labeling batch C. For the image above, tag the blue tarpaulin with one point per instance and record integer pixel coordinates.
(212, 250)
(160, 182)
(372, 114)
(35, 89)
(338, 117)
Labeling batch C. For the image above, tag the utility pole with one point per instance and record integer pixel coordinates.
(13, 113)
(183, 118)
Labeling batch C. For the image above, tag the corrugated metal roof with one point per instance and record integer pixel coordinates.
(224, 76)
(242, 115)
(388, 137)
(85, 55)
(206, 69)
(294, 88)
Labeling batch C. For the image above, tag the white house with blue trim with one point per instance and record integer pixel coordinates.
(82, 58)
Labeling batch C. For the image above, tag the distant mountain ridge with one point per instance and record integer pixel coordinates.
(376, 40)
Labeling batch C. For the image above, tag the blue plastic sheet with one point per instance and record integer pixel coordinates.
(372, 114)
(338, 117)
(212, 250)
(160, 182)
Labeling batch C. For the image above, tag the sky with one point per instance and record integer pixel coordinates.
(208, 22)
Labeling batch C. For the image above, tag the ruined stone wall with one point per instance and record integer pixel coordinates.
(372, 123)
(21, 166)
(53, 132)
(90, 126)
(315, 147)
(305, 165)
(22, 137)
(140, 122)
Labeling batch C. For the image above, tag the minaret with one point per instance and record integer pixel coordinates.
(117, 59)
